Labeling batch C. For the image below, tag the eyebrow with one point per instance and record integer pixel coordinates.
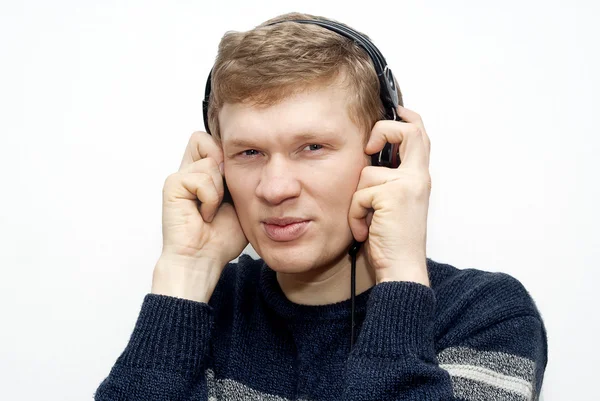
(305, 136)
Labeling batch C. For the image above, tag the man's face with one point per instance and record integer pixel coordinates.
(300, 158)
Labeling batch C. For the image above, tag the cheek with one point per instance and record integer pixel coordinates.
(339, 191)
(240, 187)
(340, 180)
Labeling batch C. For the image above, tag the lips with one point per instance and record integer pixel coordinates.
(285, 229)
(282, 221)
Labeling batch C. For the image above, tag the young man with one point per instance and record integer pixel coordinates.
(295, 114)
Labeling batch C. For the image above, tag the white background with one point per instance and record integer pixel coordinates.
(98, 100)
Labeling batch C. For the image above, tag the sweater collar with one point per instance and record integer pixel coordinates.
(276, 300)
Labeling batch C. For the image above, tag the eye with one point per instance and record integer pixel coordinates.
(249, 152)
(314, 146)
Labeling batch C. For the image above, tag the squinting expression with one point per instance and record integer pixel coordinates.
(292, 169)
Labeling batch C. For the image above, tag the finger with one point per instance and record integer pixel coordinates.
(415, 118)
(202, 187)
(207, 166)
(369, 217)
(360, 207)
(200, 146)
(371, 176)
(410, 116)
(413, 152)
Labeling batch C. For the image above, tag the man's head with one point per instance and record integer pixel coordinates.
(271, 86)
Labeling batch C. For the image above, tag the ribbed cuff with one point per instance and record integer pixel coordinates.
(171, 334)
(399, 322)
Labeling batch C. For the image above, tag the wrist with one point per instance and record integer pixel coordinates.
(405, 270)
(185, 277)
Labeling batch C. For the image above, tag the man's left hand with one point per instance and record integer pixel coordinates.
(389, 208)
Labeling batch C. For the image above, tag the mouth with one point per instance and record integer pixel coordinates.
(286, 232)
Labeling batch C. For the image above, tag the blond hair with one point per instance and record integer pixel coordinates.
(269, 63)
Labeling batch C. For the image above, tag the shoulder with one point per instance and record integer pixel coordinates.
(459, 288)
(487, 323)
(473, 304)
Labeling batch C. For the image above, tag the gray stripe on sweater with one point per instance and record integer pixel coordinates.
(488, 375)
(227, 389)
(477, 391)
(507, 364)
(494, 380)
(476, 375)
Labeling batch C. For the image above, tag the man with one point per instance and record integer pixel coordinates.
(294, 115)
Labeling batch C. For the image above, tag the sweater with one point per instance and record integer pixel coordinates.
(471, 335)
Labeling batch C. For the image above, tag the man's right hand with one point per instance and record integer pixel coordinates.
(200, 234)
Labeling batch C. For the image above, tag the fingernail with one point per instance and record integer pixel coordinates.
(221, 168)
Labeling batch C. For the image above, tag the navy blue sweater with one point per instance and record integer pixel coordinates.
(473, 335)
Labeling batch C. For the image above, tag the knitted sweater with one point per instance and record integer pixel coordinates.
(472, 335)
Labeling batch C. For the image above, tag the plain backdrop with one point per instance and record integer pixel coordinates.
(98, 100)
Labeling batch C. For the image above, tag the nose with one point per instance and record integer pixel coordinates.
(278, 181)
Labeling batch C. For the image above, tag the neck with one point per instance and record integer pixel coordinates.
(327, 285)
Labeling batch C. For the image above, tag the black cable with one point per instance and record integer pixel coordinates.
(353, 251)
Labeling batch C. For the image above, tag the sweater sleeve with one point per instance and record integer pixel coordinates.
(488, 348)
(166, 353)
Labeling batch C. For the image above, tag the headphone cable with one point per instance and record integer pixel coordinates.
(353, 251)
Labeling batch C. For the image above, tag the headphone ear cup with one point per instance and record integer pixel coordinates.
(375, 159)
(389, 156)
(205, 116)
(395, 155)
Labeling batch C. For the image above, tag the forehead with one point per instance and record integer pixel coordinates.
(321, 111)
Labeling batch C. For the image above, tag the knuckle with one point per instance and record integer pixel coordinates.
(206, 191)
(428, 143)
(417, 187)
(378, 125)
(204, 165)
(197, 136)
(363, 173)
(213, 199)
(198, 140)
(205, 179)
(210, 196)
(415, 130)
(354, 201)
(366, 172)
(171, 179)
(416, 116)
(422, 186)
(211, 163)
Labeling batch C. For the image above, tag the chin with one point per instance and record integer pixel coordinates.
(301, 257)
(290, 259)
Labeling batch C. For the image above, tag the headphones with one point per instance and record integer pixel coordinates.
(389, 156)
